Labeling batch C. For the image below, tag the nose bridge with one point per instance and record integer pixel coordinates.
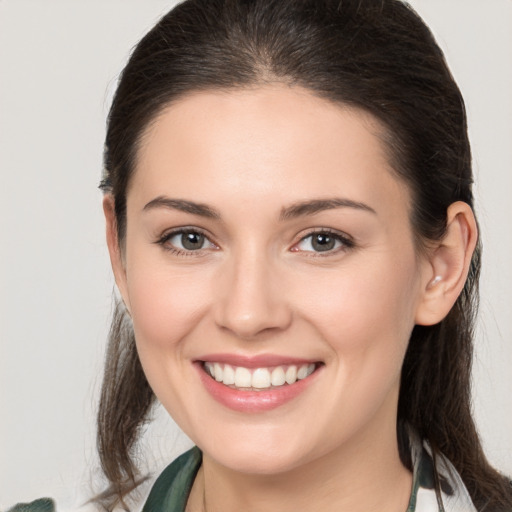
(251, 299)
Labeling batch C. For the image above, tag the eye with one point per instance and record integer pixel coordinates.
(323, 241)
(185, 241)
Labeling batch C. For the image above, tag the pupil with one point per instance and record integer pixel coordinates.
(192, 241)
(323, 242)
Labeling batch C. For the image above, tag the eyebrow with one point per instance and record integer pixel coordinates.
(300, 209)
(304, 208)
(185, 206)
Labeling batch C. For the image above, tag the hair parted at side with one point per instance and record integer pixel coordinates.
(375, 55)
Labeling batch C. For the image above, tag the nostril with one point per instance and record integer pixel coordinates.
(255, 322)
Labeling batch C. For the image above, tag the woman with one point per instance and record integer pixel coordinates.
(289, 217)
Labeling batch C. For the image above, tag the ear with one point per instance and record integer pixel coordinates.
(114, 249)
(448, 265)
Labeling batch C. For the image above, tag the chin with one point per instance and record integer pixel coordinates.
(257, 463)
(261, 454)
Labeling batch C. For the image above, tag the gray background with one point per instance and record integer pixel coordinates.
(58, 65)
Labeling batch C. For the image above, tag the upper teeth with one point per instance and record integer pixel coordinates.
(258, 378)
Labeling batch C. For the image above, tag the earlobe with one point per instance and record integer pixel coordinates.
(114, 249)
(449, 262)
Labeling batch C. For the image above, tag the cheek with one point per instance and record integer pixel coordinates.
(347, 299)
(365, 318)
(365, 314)
(166, 303)
(166, 307)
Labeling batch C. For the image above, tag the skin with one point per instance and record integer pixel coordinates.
(258, 287)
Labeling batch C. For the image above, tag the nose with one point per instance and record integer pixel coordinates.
(251, 297)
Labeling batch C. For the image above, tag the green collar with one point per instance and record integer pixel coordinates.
(172, 488)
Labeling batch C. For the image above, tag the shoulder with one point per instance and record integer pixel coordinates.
(41, 505)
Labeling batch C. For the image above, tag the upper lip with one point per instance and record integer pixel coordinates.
(256, 361)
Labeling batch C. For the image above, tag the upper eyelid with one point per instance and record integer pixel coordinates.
(169, 233)
(315, 231)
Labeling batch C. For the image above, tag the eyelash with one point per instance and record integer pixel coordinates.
(164, 239)
(346, 242)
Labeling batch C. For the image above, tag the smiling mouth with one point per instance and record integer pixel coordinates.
(258, 379)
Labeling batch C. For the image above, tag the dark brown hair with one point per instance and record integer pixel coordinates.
(374, 55)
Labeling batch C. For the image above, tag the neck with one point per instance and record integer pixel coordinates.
(364, 476)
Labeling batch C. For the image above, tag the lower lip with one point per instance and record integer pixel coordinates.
(254, 401)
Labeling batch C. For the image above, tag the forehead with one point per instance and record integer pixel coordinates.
(258, 141)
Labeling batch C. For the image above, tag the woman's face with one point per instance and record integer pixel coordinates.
(267, 236)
